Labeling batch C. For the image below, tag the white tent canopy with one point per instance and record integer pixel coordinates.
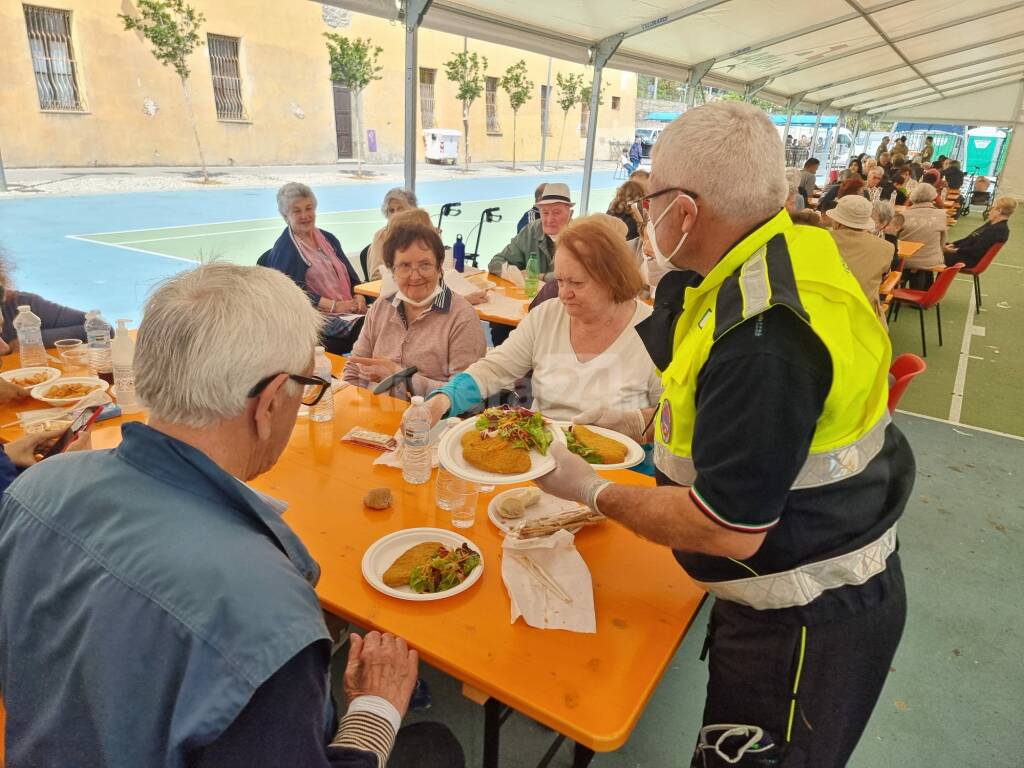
(877, 58)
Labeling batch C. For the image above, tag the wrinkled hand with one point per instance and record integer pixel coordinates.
(476, 297)
(628, 423)
(375, 368)
(10, 392)
(571, 477)
(438, 405)
(381, 665)
(28, 450)
(360, 304)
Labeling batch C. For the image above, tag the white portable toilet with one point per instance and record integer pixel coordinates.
(441, 145)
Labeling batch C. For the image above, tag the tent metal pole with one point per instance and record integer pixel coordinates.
(414, 12)
(544, 119)
(834, 143)
(817, 124)
(3, 176)
(602, 52)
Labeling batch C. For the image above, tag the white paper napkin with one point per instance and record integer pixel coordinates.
(459, 284)
(499, 305)
(513, 274)
(538, 606)
(388, 286)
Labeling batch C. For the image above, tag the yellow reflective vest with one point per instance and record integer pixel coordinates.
(797, 267)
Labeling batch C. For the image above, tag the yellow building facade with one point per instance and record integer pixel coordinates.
(79, 90)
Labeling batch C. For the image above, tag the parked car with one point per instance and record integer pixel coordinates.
(647, 138)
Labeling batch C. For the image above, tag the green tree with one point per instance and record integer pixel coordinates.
(354, 65)
(172, 28)
(570, 94)
(762, 104)
(519, 88)
(466, 70)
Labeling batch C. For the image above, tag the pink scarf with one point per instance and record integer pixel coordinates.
(326, 275)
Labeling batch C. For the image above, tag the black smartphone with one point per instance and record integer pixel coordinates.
(82, 422)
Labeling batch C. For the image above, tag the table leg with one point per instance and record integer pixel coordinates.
(493, 711)
(582, 756)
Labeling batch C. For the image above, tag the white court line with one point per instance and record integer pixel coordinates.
(1008, 266)
(971, 330)
(964, 426)
(274, 228)
(129, 248)
(269, 218)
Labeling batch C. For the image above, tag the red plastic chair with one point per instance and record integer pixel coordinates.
(922, 300)
(978, 268)
(903, 369)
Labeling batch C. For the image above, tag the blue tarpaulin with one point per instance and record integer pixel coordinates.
(804, 120)
(665, 117)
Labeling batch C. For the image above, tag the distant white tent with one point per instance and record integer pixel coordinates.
(875, 58)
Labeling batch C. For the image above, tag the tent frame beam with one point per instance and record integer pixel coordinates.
(600, 54)
(697, 73)
(916, 100)
(755, 88)
(951, 84)
(415, 10)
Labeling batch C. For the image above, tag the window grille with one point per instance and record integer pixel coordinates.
(616, 102)
(427, 78)
(584, 118)
(227, 78)
(491, 100)
(545, 112)
(53, 59)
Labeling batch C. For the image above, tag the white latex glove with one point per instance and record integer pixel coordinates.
(628, 423)
(573, 478)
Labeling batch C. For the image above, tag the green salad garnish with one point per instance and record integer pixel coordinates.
(446, 569)
(574, 445)
(519, 426)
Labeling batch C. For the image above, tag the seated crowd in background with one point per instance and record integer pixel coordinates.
(395, 201)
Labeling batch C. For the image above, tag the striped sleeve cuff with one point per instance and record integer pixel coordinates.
(715, 517)
(370, 725)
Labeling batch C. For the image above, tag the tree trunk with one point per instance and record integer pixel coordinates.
(465, 130)
(558, 157)
(515, 114)
(195, 129)
(357, 113)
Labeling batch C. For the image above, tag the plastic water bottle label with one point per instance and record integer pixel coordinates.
(29, 337)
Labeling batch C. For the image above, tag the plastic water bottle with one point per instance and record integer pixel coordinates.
(30, 337)
(324, 410)
(530, 284)
(416, 464)
(460, 254)
(123, 357)
(97, 331)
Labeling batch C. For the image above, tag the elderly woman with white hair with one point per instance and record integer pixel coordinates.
(396, 200)
(179, 565)
(313, 258)
(924, 222)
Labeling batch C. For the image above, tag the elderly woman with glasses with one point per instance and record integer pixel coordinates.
(423, 324)
(314, 260)
(583, 350)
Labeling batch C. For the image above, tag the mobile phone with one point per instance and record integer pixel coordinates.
(82, 422)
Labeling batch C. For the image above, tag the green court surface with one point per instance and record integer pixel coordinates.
(972, 379)
(242, 242)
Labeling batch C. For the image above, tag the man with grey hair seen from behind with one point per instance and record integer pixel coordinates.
(780, 475)
(190, 632)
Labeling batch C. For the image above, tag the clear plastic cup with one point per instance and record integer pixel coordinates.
(75, 361)
(456, 496)
(63, 345)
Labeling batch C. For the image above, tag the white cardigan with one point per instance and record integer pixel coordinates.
(621, 377)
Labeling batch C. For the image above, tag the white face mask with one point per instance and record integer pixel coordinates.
(422, 302)
(663, 261)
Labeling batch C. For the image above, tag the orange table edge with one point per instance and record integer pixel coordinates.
(592, 688)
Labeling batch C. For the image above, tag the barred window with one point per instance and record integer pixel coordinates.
(227, 78)
(616, 102)
(584, 118)
(427, 78)
(545, 113)
(491, 100)
(53, 58)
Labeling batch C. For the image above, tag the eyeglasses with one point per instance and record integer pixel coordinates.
(315, 387)
(645, 201)
(424, 269)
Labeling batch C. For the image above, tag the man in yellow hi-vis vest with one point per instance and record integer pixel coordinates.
(780, 475)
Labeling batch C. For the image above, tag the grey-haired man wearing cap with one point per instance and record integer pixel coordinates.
(539, 237)
(868, 257)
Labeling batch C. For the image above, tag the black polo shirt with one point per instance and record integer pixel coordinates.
(759, 397)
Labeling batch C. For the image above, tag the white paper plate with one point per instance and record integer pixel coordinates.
(546, 505)
(634, 451)
(39, 392)
(385, 551)
(20, 373)
(449, 454)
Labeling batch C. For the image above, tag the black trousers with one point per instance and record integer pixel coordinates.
(426, 745)
(754, 663)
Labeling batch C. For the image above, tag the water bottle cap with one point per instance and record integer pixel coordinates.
(417, 399)
(458, 237)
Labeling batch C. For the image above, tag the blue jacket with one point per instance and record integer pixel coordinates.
(636, 152)
(284, 257)
(7, 471)
(145, 595)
